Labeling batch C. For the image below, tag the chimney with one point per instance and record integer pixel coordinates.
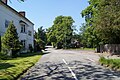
(4, 1)
(22, 13)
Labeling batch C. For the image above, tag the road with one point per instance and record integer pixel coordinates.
(69, 65)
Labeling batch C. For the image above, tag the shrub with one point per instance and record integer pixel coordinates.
(10, 40)
(4, 56)
(31, 48)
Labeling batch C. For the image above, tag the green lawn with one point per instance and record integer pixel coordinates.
(11, 69)
(110, 63)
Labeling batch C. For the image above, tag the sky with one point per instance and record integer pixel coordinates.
(44, 12)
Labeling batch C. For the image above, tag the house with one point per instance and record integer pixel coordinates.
(25, 28)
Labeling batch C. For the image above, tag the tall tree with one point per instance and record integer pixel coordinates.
(41, 38)
(107, 21)
(103, 18)
(10, 40)
(60, 34)
(89, 34)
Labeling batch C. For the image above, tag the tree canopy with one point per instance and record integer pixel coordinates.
(107, 21)
(102, 22)
(40, 38)
(60, 34)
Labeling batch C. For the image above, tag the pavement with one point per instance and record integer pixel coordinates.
(69, 65)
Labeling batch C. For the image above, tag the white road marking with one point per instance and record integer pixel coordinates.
(73, 74)
(65, 61)
(91, 60)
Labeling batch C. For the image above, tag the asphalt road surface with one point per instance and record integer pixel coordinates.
(69, 65)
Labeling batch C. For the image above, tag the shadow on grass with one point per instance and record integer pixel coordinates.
(61, 72)
(30, 54)
(5, 65)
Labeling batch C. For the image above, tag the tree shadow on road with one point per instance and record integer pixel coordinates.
(83, 71)
(94, 72)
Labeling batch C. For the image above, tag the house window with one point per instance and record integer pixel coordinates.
(7, 23)
(22, 28)
(23, 43)
(29, 33)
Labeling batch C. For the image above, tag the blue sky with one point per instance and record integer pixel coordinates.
(43, 12)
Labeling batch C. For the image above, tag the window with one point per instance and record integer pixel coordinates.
(23, 43)
(29, 33)
(22, 28)
(7, 23)
(30, 45)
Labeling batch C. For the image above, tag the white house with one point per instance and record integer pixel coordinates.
(25, 28)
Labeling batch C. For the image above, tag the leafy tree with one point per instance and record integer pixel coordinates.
(40, 38)
(18, 0)
(102, 21)
(107, 21)
(60, 34)
(10, 40)
(51, 38)
(90, 34)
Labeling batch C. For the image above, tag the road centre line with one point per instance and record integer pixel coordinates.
(73, 74)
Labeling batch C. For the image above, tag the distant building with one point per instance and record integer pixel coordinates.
(25, 28)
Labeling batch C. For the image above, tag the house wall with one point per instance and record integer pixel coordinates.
(10, 15)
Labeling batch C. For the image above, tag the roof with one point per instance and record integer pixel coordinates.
(16, 12)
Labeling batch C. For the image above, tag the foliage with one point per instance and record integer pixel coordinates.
(40, 38)
(102, 23)
(10, 40)
(89, 37)
(107, 21)
(10, 69)
(88, 32)
(31, 48)
(111, 63)
(4, 56)
(60, 34)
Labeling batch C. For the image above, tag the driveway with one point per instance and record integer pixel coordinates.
(69, 65)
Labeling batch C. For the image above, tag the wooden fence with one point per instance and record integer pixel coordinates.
(110, 48)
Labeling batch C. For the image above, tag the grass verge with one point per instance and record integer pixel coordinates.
(11, 69)
(113, 64)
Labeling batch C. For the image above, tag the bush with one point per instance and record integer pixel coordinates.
(4, 56)
(31, 48)
(10, 40)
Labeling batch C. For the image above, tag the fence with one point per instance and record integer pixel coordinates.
(110, 48)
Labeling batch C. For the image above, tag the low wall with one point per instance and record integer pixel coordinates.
(110, 48)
